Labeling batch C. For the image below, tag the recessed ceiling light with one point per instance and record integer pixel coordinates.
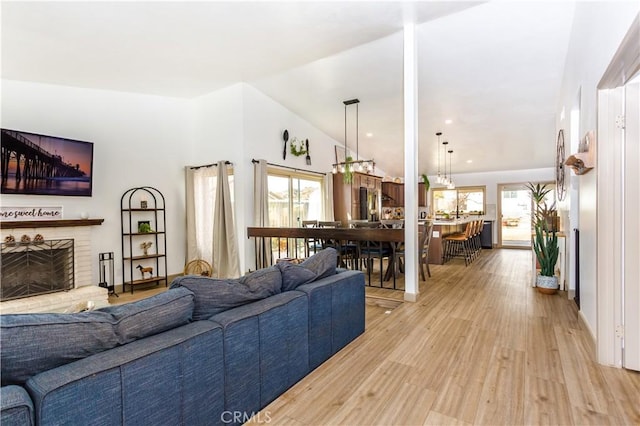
(448, 121)
(369, 134)
(469, 161)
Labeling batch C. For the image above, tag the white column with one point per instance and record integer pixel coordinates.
(411, 163)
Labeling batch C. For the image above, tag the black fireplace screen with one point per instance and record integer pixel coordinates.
(29, 269)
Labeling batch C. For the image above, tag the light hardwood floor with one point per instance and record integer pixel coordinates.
(479, 347)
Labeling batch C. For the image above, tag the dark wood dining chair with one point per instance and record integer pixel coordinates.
(423, 248)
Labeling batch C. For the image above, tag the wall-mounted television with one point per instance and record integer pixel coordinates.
(45, 165)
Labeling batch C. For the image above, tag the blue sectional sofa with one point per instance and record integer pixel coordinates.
(204, 352)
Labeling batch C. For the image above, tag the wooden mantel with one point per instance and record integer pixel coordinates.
(15, 224)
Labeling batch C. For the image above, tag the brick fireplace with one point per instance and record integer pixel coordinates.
(83, 289)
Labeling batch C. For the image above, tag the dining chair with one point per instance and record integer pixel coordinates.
(369, 250)
(423, 248)
(311, 244)
(344, 253)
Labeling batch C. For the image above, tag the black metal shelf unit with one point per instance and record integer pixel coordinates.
(139, 206)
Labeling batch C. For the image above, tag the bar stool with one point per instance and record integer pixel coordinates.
(459, 245)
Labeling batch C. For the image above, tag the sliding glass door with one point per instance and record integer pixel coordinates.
(514, 228)
(516, 213)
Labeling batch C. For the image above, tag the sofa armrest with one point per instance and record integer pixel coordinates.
(16, 406)
(336, 313)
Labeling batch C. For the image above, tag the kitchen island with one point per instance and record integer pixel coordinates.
(442, 228)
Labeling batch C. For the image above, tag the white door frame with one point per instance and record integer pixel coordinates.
(611, 174)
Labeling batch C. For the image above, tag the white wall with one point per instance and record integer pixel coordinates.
(138, 140)
(148, 140)
(264, 121)
(598, 29)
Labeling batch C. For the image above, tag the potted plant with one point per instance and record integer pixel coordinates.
(545, 243)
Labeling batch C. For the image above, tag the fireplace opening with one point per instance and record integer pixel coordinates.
(30, 269)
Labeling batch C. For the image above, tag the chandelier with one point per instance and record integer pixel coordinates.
(350, 165)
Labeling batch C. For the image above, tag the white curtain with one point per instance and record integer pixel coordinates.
(211, 234)
(225, 244)
(328, 197)
(261, 211)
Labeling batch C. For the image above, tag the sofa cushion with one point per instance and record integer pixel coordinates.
(294, 275)
(213, 296)
(322, 263)
(32, 343)
(153, 315)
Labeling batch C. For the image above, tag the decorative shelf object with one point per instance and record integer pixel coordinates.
(137, 261)
(585, 159)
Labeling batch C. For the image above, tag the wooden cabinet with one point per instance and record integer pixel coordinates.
(346, 196)
(422, 195)
(393, 194)
(144, 243)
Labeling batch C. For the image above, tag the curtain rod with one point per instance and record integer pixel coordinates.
(209, 165)
(254, 161)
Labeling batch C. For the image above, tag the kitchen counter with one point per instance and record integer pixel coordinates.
(455, 222)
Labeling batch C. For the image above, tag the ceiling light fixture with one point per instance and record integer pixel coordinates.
(358, 164)
(448, 121)
(445, 180)
(439, 179)
(451, 185)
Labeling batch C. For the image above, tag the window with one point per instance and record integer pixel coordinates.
(463, 200)
(293, 197)
(205, 183)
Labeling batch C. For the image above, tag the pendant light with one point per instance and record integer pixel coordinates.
(451, 185)
(357, 165)
(439, 178)
(444, 180)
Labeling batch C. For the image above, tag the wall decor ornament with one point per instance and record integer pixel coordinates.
(561, 189)
(145, 246)
(297, 147)
(285, 137)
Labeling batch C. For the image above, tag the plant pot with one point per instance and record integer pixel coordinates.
(547, 285)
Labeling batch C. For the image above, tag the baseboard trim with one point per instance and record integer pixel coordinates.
(583, 323)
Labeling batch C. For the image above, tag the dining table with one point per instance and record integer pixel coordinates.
(340, 239)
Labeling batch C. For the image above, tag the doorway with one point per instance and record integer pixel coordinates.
(514, 211)
(618, 201)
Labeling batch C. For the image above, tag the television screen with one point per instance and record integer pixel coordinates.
(45, 165)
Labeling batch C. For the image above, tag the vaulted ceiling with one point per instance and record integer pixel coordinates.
(494, 69)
